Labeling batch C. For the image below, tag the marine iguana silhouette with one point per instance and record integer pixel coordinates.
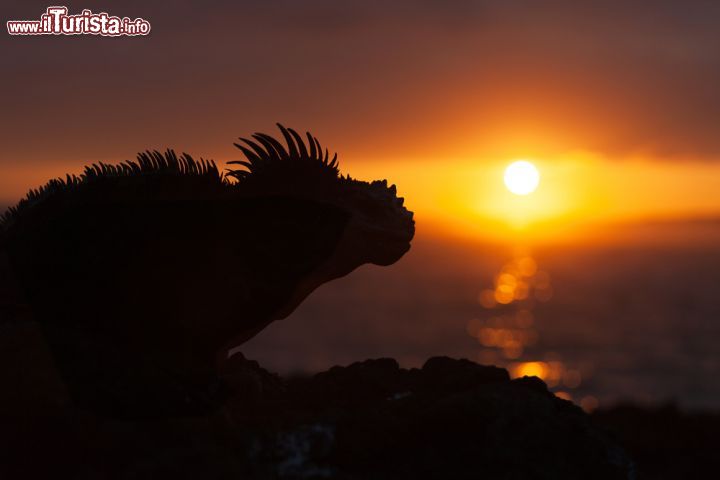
(143, 274)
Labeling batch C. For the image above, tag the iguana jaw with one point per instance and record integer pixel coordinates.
(360, 244)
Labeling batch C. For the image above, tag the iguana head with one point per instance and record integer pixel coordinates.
(379, 228)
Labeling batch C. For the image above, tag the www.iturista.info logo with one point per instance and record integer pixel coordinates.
(56, 21)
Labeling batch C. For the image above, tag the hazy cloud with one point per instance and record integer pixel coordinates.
(377, 78)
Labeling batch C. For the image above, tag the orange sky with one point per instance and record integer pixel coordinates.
(617, 106)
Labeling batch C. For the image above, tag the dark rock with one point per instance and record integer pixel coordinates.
(248, 383)
(533, 383)
(448, 374)
(452, 419)
(358, 385)
(666, 442)
(457, 419)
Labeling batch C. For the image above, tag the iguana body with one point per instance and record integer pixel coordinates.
(142, 275)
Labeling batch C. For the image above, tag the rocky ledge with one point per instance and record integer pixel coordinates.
(451, 419)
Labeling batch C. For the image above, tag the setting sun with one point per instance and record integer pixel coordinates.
(521, 177)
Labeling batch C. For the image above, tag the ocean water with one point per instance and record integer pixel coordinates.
(636, 319)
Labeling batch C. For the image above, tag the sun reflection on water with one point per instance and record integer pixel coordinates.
(508, 330)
